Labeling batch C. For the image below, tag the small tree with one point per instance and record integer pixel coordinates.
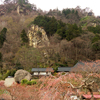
(24, 37)
(2, 36)
(0, 62)
(89, 71)
(0, 56)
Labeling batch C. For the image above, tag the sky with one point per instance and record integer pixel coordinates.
(46, 5)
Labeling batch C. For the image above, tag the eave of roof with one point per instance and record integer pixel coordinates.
(42, 69)
(64, 69)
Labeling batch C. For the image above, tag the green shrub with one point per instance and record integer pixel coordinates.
(7, 74)
(63, 73)
(12, 72)
(31, 82)
(55, 73)
(24, 81)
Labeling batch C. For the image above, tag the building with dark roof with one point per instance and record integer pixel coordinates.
(42, 71)
(90, 66)
(64, 69)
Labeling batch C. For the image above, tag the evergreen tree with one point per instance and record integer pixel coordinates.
(2, 36)
(0, 63)
(0, 56)
(24, 37)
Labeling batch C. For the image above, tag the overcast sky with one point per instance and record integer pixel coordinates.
(60, 4)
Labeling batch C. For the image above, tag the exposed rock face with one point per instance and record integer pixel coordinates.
(9, 82)
(37, 37)
(22, 74)
(21, 9)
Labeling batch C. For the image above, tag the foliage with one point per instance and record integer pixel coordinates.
(6, 74)
(2, 36)
(28, 57)
(18, 66)
(24, 36)
(32, 82)
(96, 38)
(96, 46)
(0, 56)
(68, 11)
(73, 31)
(50, 24)
(21, 2)
(24, 81)
(84, 18)
(63, 73)
(9, 73)
(94, 29)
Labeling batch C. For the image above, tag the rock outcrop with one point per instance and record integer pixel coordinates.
(22, 74)
(9, 82)
(21, 10)
(37, 37)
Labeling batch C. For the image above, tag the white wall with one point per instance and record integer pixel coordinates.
(35, 73)
(42, 73)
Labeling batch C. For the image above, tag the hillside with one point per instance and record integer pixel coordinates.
(73, 35)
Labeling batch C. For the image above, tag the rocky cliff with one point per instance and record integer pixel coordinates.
(37, 37)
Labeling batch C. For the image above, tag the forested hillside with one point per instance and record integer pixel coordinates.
(74, 35)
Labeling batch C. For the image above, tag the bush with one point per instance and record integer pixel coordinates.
(63, 73)
(9, 73)
(55, 73)
(12, 73)
(24, 81)
(31, 82)
(6, 74)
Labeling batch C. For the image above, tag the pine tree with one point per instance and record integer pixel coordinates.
(24, 37)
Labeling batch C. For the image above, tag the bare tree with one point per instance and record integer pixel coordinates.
(89, 71)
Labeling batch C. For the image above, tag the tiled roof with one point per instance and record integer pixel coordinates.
(64, 69)
(42, 69)
(87, 66)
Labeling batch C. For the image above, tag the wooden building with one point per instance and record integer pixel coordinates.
(64, 69)
(42, 71)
